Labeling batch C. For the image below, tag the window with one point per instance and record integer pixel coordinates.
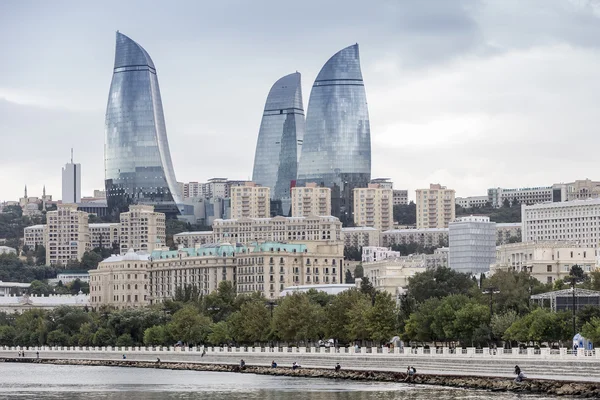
(548, 268)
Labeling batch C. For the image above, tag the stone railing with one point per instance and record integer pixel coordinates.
(445, 352)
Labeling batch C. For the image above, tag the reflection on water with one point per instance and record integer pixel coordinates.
(39, 381)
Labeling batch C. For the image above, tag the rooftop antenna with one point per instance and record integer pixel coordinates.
(71, 155)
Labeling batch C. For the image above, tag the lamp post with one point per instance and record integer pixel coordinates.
(573, 281)
(491, 290)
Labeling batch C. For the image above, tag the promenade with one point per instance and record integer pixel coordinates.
(540, 364)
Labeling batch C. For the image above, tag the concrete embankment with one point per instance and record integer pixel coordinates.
(496, 384)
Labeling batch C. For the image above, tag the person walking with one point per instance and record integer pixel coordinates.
(37, 354)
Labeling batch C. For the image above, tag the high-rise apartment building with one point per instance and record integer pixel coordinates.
(142, 229)
(435, 207)
(71, 182)
(68, 235)
(105, 235)
(336, 151)
(472, 244)
(360, 236)
(250, 201)
(280, 140)
(400, 197)
(138, 167)
(34, 236)
(373, 207)
(311, 200)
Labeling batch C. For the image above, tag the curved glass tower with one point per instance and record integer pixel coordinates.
(336, 152)
(137, 161)
(280, 140)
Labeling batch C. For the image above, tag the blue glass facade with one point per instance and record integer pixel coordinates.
(280, 140)
(336, 151)
(138, 167)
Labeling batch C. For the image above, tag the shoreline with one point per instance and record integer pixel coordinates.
(494, 384)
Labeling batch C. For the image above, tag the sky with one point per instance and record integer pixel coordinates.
(470, 94)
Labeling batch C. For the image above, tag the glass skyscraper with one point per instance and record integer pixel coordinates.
(280, 140)
(336, 152)
(138, 167)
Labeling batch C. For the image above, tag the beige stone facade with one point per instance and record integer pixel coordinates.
(361, 236)
(435, 207)
(104, 235)
(142, 229)
(68, 236)
(392, 275)
(545, 261)
(311, 200)
(34, 236)
(192, 239)
(121, 281)
(435, 237)
(373, 207)
(250, 201)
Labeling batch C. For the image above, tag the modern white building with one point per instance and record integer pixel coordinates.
(71, 182)
(374, 253)
(472, 201)
(392, 275)
(435, 207)
(67, 277)
(373, 207)
(545, 261)
(472, 244)
(360, 236)
(311, 200)
(577, 220)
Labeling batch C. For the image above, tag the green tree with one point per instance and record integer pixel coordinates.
(382, 321)
(338, 314)
(470, 323)
(125, 340)
(39, 288)
(419, 324)
(359, 271)
(514, 290)
(591, 330)
(156, 336)
(438, 282)
(90, 260)
(367, 288)
(189, 326)
(40, 255)
(501, 322)
(297, 319)
(352, 253)
(57, 338)
(220, 304)
(348, 278)
(103, 337)
(7, 335)
(255, 322)
(220, 333)
(405, 214)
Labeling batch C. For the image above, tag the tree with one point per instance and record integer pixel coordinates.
(591, 330)
(254, 322)
(189, 326)
(405, 214)
(514, 289)
(90, 260)
(419, 324)
(125, 340)
(220, 333)
(577, 273)
(7, 335)
(438, 282)
(367, 288)
(352, 253)
(382, 321)
(39, 288)
(470, 323)
(40, 255)
(58, 338)
(220, 304)
(339, 312)
(297, 319)
(501, 322)
(103, 337)
(156, 336)
(348, 278)
(359, 272)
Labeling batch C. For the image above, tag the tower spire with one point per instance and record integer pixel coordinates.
(71, 155)
(25, 191)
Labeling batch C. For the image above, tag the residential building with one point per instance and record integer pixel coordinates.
(435, 207)
(361, 236)
(280, 141)
(497, 197)
(192, 189)
(434, 237)
(34, 236)
(336, 152)
(71, 182)
(384, 183)
(120, 281)
(7, 250)
(577, 220)
(105, 235)
(472, 201)
(373, 207)
(472, 244)
(268, 267)
(392, 275)
(311, 200)
(547, 261)
(142, 229)
(137, 159)
(581, 190)
(68, 235)
(193, 239)
(400, 197)
(374, 253)
(508, 233)
(250, 201)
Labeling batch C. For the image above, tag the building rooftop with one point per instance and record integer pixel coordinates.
(53, 300)
(14, 285)
(194, 233)
(422, 230)
(327, 288)
(359, 228)
(41, 226)
(129, 256)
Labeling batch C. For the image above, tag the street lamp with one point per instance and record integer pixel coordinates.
(491, 290)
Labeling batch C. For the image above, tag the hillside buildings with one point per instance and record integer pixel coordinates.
(250, 201)
(105, 235)
(435, 207)
(68, 235)
(373, 207)
(472, 201)
(433, 237)
(280, 141)
(34, 236)
(361, 236)
(141, 229)
(311, 200)
(472, 244)
(137, 159)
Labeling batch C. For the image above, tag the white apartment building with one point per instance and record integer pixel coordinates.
(532, 195)
(506, 232)
(193, 239)
(373, 207)
(311, 200)
(373, 253)
(435, 207)
(577, 220)
(68, 235)
(392, 275)
(34, 236)
(142, 229)
(472, 201)
(434, 237)
(360, 236)
(104, 235)
(400, 197)
(472, 242)
(545, 261)
(250, 201)
(121, 281)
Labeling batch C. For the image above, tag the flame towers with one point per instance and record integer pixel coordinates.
(280, 140)
(336, 151)
(137, 161)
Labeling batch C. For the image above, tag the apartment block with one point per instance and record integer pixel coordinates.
(577, 220)
(104, 235)
(120, 281)
(373, 207)
(545, 261)
(193, 239)
(311, 200)
(472, 244)
(472, 201)
(142, 229)
(375, 253)
(400, 197)
(435, 207)
(434, 237)
(68, 236)
(34, 236)
(361, 236)
(250, 201)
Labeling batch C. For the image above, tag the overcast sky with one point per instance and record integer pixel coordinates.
(470, 94)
